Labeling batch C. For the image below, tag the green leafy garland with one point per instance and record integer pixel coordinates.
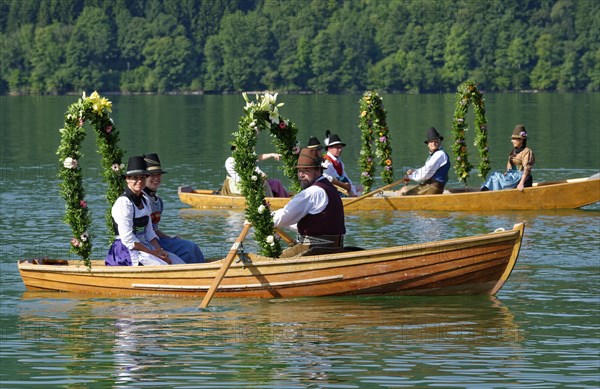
(373, 124)
(260, 115)
(468, 92)
(95, 109)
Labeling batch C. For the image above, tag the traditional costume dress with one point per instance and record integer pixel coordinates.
(518, 160)
(185, 249)
(131, 220)
(131, 223)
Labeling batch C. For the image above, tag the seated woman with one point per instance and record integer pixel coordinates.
(184, 249)
(136, 243)
(518, 168)
(273, 187)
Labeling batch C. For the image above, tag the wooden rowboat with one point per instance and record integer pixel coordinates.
(470, 265)
(572, 193)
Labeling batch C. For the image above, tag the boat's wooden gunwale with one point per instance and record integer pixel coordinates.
(362, 257)
(565, 194)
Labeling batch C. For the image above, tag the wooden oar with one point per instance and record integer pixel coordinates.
(373, 192)
(287, 238)
(219, 277)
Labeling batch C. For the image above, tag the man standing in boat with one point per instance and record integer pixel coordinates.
(316, 211)
(434, 174)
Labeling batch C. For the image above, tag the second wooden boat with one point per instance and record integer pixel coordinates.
(564, 194)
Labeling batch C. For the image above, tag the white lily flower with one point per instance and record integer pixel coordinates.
(274, 117)
(261, 208)
(273, 98)
(254, 178)
(270, 239)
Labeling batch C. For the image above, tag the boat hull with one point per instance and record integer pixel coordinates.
(472, 265)
(567, 194)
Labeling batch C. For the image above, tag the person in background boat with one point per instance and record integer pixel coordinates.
(316, 212)
(334, 167)
(314, 143)
(434, 174)
(184, 249)
(273, 187)
(518, 168)
(135, 243)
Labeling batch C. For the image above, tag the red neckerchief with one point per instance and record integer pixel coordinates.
(336, 164)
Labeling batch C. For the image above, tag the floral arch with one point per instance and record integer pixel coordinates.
(374, 129)
(96, 110)
(469, 93)
(262, 114)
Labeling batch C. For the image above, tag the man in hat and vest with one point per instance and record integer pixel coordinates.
(334, 167)
(317, 210)
(434, 174)
(185, 249)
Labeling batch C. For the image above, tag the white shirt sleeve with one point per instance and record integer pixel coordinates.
(123, 213)
(311, 200)
(330, 173)
(230, 168)
(427, 171)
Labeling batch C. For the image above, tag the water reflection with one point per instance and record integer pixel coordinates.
(301, 341)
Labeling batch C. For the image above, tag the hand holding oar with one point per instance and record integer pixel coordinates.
(373, 192)
(228, 260)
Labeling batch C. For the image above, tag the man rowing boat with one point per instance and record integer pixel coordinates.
(316, 211)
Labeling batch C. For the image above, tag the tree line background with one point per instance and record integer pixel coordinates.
(334, 46)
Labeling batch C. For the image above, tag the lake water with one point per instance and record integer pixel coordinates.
(541, 330)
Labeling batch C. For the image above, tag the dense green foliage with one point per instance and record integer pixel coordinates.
(95, 109)
(60, 46)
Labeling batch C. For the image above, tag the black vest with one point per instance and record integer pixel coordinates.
(331, 220)
(139, 223)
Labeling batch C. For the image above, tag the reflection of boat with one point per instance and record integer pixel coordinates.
(573, 193)
(470, 265)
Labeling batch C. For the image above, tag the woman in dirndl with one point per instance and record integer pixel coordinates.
(518, 168)
(135, 243)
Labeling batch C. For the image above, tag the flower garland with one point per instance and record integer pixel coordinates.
(260, 115)
(96, 109)
(373, 124)
(468, 92)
